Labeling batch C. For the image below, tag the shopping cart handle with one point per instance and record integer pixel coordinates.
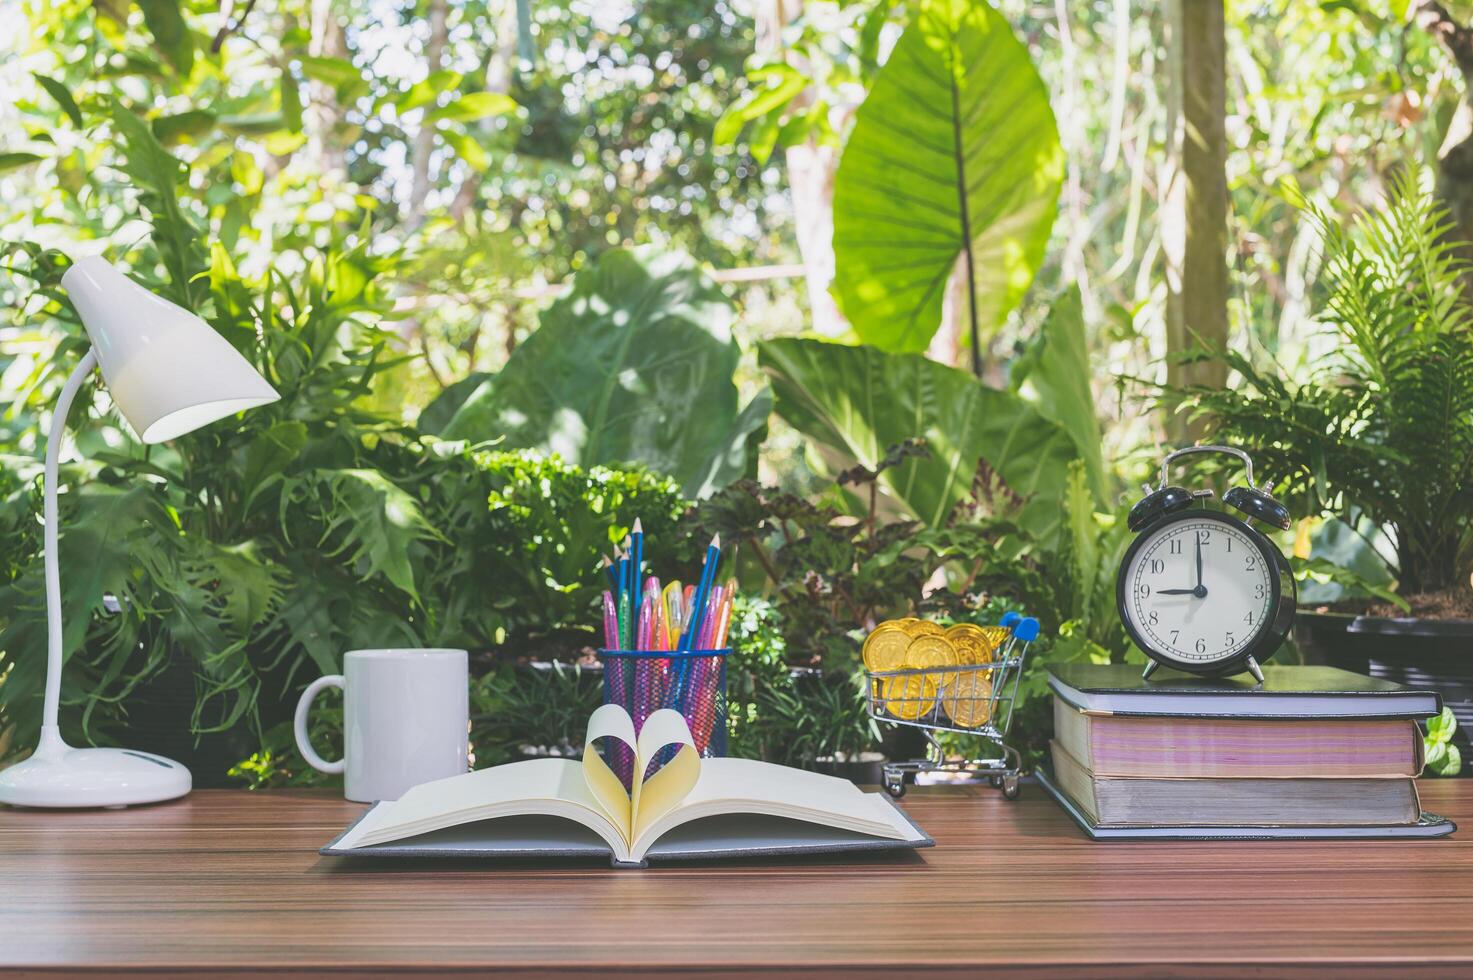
(1027, 629)
(1010, 618)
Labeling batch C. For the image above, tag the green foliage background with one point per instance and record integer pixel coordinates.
(419, 220)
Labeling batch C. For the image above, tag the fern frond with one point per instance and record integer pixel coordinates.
(1387, 424)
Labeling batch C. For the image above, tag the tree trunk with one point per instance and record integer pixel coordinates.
(811, 168)
(500, 72)
(1194, 199)
(424, 139)
(323, 114)
(1455, 158)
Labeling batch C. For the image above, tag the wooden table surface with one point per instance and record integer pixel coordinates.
(231, 883)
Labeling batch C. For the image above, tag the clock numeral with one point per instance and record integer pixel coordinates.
(1143, 591)
(1201, 645)
(1260, 591)
(1174, 635)
(1175, 546)
(1204, 536)
(1229, 540)
(1157, 566)
(1154, 618)
(1229, 641)
(1249, 618)
(1248, 563)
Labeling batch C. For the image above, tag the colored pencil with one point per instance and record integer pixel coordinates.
(698, 603)
(636, 542)
(689, 642)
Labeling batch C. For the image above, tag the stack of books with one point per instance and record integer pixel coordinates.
(1312, 752)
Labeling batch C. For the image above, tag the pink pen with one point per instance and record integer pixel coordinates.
(611, 623)
(723, 618)
(646, 623)
(708, 619)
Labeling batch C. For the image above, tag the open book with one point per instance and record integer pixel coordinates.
(690, 808)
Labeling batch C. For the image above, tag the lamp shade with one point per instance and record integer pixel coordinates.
(167, 370)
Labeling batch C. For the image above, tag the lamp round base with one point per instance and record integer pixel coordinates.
(68, 777)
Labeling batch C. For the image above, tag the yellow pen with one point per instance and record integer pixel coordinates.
(671, 600)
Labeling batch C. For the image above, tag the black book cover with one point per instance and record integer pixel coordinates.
(1286, 692)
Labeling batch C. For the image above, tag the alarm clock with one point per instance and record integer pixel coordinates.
(1203, 590)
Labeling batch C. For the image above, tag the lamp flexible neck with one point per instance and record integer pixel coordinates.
(54, 438)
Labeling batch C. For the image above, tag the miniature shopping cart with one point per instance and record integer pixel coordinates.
(976, 699)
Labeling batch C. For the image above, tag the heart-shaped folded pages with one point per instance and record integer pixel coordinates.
(652, 797)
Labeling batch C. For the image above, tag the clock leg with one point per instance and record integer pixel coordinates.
(1255, 670)
(1151, 666)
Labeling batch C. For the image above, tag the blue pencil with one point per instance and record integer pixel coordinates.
(698, 612)
(637, 539)
(703, 591)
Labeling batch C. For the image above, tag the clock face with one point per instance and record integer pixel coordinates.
(1199, 589)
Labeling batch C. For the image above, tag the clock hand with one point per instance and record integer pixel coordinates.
(1176, 591)
(1199, 561)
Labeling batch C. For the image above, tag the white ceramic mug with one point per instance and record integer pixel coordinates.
(405, 719)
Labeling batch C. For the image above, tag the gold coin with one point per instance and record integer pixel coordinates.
(931, 651)
(885, 648)
(996, 635)
(921, 627)
(909, 696)
(967, 698)
(913, 695)
(971, 643)
(971, 650)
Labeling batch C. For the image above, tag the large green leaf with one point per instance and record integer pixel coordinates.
(363, 517)
(475, 105)
(11, 161)
(854, 402)
(157, 175)
(633, 365)
(108, 537)
(166, 23)
(954, 152)
(1056, 367)
(62, 96)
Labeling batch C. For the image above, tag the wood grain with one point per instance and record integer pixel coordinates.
(230, 883)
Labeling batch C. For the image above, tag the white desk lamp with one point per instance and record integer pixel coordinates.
(169, 373)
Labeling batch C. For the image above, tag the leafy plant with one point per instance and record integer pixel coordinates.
(1055, 366)
(758, 661)
(954, 153)
(853, 403)
(1443, 758)
(531, 709)
(1384, 428)
(817, 717)
(828, 576)
(633, 366)
(254, 552)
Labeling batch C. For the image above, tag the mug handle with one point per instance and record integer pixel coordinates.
(304, 744)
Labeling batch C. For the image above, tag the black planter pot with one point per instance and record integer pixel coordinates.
(1431, 654)
(161, 710)
(863, 772)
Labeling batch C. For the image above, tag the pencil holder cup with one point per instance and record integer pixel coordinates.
(644, 681)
